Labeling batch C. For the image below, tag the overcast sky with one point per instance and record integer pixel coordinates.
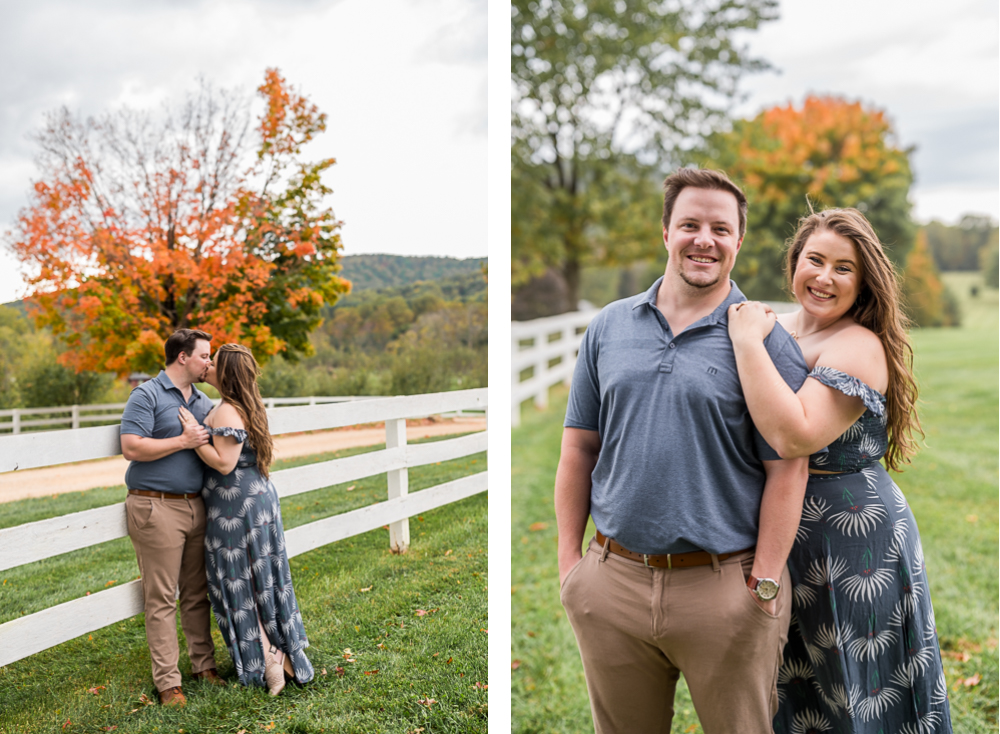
(403, 83)
(931, 65)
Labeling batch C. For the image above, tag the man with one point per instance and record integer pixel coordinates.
(659, 449)
(166, 516)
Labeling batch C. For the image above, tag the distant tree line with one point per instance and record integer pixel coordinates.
(386, 271)
(421, 337)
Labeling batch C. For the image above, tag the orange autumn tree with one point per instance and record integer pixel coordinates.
(835, 152)
(140, 225)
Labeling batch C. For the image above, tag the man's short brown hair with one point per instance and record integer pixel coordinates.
(183, 340)
(701, 178)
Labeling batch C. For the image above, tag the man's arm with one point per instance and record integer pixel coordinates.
(143, 448)
(580, 449)
(780, 512)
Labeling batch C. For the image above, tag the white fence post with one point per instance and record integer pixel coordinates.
(75, 412)
(17, 421)
(398, 480)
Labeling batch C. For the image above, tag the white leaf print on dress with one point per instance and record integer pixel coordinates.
(833, 637)
(874, 705)
(867, 647)
(803, 595)
(840, 699)
(229, 493)
(868, 584)
(810, 721)
(230, 523)
(859, 519)
(927, 724)
(940, 694)
(822, 572)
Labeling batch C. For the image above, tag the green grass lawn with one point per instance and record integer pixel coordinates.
(951, 486)
(411, 671)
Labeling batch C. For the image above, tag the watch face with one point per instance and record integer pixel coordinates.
(767, 589)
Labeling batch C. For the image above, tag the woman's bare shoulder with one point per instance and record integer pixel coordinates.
(227, 416)
(856, 351)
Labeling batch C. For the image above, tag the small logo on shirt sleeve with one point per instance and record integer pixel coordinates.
(712, 371)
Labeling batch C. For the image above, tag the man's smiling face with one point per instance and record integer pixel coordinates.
(703, 236)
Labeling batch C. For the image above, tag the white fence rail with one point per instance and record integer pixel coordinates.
(75, 416)
(35, 541)
(548, 346)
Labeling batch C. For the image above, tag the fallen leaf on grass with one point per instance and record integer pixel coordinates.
(691, 728)
(448, 552)
(536, 526)
(380, 646)
(340, 672)
(367, 588)
(427, 702)
(351, 487)
(515, 664)
(144, 700)
(96, 690)
(68, 723)
(484, 686)
(113, 581)
(420, 729)
(322, 672)
(268, 726)
(422, 612)
(448, 661)
(972, 681)
(371, 672)
(961, 656)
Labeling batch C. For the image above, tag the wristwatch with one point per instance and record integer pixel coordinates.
(765, 589)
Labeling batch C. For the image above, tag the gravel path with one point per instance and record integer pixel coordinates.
(110, 472)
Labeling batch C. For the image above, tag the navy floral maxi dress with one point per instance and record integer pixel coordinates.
(248, 573)
(862, 652)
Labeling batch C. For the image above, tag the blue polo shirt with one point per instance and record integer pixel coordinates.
(680, 462)
(151, 412)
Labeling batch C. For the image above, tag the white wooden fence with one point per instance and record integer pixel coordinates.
(35, 541)
(549, 347)
(74, 416)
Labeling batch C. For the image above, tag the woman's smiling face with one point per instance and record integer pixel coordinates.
(828, 275)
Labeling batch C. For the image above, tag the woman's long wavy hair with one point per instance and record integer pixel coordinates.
(877, 308)
(237, 371)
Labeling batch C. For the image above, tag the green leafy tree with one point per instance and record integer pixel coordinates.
(958, 247)
(828, 153)
(604, 94)
(989, 261)
(928, 302)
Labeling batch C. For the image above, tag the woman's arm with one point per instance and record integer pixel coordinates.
(224, 451)
(799, 424)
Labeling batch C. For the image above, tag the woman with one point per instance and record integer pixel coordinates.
(249, 582)
(863, 653)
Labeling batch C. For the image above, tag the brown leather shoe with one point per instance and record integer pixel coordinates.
(211, 675)
(173, 697)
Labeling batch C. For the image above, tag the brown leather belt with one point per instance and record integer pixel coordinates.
(164, 495)
(666, 560)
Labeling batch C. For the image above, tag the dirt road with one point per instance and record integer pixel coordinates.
(111, 472)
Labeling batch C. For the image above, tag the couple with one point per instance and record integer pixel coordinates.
(708, 460)
(200, 497)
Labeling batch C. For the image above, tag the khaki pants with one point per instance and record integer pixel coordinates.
(169, 540)
(639, 628)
